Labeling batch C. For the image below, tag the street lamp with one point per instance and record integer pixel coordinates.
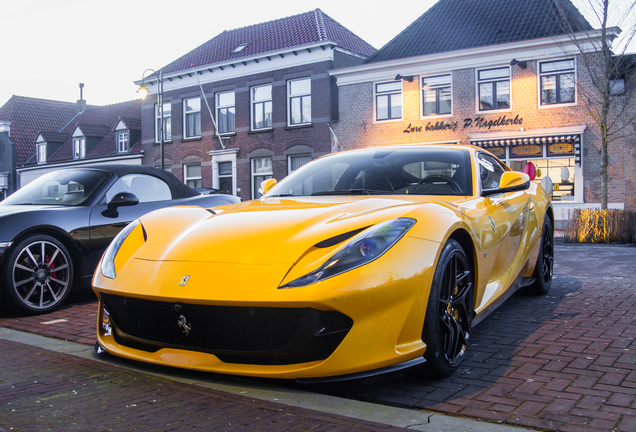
(143, 92)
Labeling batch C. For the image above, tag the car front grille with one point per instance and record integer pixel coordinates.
(248, 335)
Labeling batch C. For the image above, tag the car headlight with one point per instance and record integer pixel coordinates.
(108, 260)
(367, 246)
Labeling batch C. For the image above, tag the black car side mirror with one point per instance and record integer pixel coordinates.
(122, 199)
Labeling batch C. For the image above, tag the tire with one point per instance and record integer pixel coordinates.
(37, 276)
(545, 261)
(449, 313)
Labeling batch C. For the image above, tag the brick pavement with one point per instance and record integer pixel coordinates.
(42, 390)
(564, 361)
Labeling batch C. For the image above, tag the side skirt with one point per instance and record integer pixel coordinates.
(519, 284)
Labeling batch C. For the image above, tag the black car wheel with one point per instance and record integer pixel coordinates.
(545, 261)
(38, 275)
(449, 313)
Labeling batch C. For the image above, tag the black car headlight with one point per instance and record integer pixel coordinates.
(108, 259)
(364, 248)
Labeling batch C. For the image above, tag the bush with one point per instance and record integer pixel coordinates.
(601, 226)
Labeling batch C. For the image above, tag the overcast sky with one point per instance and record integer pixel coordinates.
(50, 46)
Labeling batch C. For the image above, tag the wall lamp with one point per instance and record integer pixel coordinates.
(143, 92)
(522, 64)
(408, 78)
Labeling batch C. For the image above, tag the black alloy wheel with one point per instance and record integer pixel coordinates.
(38, 275)
(449, 313)
(545, 261)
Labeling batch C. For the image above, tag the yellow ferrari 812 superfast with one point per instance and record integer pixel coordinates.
(360, 262)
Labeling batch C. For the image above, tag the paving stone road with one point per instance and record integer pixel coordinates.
(561, 362)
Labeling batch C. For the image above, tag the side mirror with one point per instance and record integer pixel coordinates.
(122, 199)
(514, 179)
(510, 181)
(266, 185)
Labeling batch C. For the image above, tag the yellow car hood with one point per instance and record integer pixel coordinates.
(270, 231)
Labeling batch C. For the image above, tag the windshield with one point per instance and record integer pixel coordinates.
(419, 171)
(73, 187)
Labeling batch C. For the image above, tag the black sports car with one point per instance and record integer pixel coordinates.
(54, 230)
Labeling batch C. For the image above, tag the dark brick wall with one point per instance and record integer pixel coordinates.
(277, 142)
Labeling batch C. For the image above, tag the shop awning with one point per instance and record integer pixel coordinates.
(572, 135)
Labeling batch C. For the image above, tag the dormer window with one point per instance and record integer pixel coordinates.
(123, 142)
(79, 148)
(240, 48)
(41, 152)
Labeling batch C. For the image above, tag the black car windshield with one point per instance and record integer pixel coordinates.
(419, 171)
(73, 187)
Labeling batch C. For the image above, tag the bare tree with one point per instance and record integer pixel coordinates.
(610, 70)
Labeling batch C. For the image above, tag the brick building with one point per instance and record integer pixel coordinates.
(499, 74)
(96, 134)
(21, 120)
(250, 104)
(38, 136)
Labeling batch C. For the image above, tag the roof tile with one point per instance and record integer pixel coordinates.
(293, 31)
(29, 117)
(452, 25)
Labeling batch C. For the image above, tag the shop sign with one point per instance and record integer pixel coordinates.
(526, 150)
(468, 123)
(561, 149)
(500, 152)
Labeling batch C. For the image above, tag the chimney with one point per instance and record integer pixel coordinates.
(80, 105)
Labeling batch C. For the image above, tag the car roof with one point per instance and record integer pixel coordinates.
(177, 187)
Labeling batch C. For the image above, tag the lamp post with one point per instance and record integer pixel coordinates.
(143, 92)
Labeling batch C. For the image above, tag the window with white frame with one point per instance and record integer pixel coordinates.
(299, 97)
(123, 142)
(41, 152)
(167, 122)
(261, 171)
(192, 118)
(226, 178)
(388, 100)
(225, 111)
(436, 95)
(192, 175)
(494, 88)
(557, 82)
(296, 161)
(261, 101)
(79, 148)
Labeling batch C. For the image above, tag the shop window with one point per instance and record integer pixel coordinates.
(494, 89)
(436, 95)
(261, 171)
(299, 101)
(388, 101)
(557, 82)
(554, 168)
(192, 118)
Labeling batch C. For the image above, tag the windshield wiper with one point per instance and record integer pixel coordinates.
(353, 192)
(281, 195)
